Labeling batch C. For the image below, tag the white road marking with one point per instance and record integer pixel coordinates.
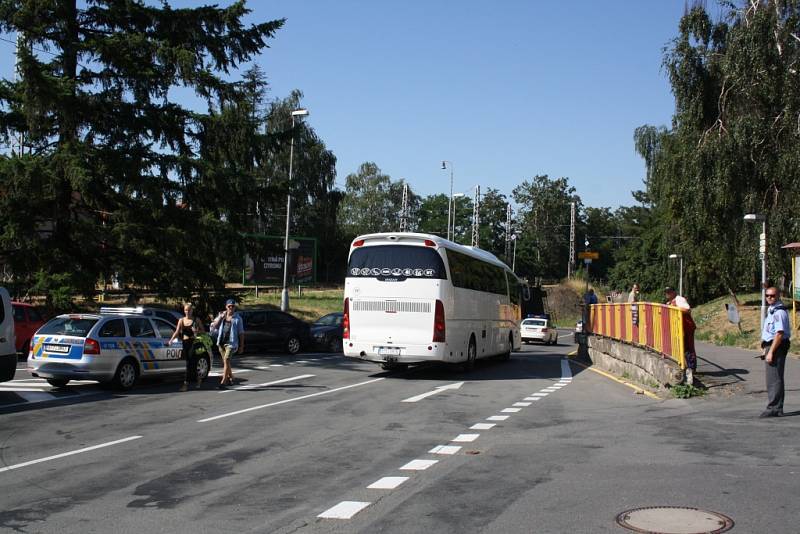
(540, 394)
(510, 410)
(265, 384)
(302, 361)
(387, 483)
(344, 510)
(445, 449)
(497, 418)
(482, 426)
(549, 390)
(532, 398)
(235, 371)
(465, 438)
(436, 390)
(521, 404)
(64, 454)
(276, 365)
(285, 401)
(263, 367)
(418, 465)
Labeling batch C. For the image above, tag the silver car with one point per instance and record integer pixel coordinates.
(111, 348)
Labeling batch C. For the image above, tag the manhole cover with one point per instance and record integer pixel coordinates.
(674, 520)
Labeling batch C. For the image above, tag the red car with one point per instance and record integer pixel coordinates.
(27, 320)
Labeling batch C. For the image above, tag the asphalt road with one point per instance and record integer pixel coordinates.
(319, 443)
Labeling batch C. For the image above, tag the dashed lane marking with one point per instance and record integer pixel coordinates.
(510, 410)
(482, 426)
(418, 465)
(497, 418)
(521, 404)
(445, 449)
(465, 438)
(344, 510)
(387, 483)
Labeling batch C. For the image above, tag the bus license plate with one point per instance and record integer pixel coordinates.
(388, 351)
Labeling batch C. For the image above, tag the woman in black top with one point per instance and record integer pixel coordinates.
(188, 327)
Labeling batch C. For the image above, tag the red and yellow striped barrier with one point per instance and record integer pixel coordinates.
(656, 326)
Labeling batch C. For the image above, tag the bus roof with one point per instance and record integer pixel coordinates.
(419, 239)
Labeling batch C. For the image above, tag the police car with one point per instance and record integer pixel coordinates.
(537, 328)
(114, 348)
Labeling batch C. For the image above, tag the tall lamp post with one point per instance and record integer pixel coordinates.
(445, 164)
(285, 292)
(762, 254)
(680, 272)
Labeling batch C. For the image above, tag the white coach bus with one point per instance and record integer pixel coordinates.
(412, 298)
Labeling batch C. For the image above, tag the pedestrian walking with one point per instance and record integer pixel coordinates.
(229, 338)
(633, 296)
(689, 326)
(775, 338)
(187, 329)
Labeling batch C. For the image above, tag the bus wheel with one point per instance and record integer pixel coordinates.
(472, 354)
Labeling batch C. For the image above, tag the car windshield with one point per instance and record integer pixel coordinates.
(68, 326)
(534, 322)
(332, 319)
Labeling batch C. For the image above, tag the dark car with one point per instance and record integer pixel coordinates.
(327, 332)
(272, 329)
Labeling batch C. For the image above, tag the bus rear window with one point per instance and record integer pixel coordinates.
(395, 263)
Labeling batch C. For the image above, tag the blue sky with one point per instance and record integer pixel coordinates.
(505, 89)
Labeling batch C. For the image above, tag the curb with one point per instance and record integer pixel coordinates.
(612, 377)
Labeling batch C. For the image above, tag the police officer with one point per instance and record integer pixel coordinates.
(775, 345)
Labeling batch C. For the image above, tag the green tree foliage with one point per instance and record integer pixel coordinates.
(493, 222)
(733, 147)
(373, 203)
(114, 174)
(432, 215)
(543, 221)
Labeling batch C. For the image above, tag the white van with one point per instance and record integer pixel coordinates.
(8, 345)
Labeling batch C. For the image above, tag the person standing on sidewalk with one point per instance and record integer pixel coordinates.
(689, 326)
(775, 338)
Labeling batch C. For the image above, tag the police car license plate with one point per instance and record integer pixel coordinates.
(62, 349)
(388, 351)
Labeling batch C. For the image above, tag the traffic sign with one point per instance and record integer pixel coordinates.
(588, 255)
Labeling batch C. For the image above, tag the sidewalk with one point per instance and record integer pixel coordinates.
(731, 370)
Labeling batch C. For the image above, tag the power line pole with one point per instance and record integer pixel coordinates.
(571, 262)
(476, 217)
(404, 210)
(508, 232)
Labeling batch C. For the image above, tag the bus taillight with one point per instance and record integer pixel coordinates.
(438, 323)
(346, 320)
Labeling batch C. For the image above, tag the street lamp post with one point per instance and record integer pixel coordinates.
(285, 292)
(445, 164)
(680, 272)
(762, 253)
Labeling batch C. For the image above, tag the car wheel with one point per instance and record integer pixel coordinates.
(58, 382)
(127, 374)
(472, 355)
(26, 348)
(203, 368)
(335, 345)
(293, 345)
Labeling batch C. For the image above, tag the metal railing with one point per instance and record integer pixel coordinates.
(656, 326)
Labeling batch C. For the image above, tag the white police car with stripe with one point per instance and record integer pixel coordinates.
(113, 348)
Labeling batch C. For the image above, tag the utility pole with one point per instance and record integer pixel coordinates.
(20, 137)
(508, 232)
(404, 209)
(571, 262)
(476, 217)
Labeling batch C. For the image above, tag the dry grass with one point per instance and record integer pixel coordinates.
(313, 304)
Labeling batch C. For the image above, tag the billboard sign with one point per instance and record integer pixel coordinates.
(264, 255)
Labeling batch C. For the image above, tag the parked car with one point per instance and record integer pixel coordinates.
(112, 348)
(327, 332)
(272, 329)
(27, 321)
(169, 315)
(537, 328)
(8, 351)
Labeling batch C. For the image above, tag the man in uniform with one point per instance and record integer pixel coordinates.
(775, 343)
